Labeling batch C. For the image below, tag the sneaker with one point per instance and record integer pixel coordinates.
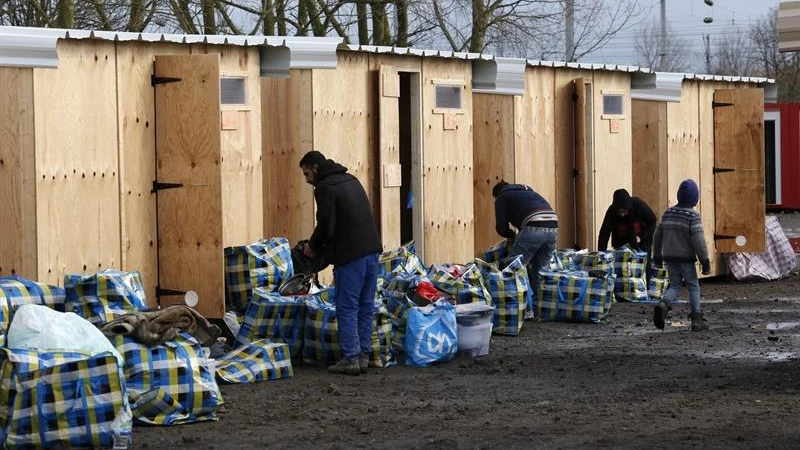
(699, 323)
(363, 363)
(660, 315)
(346, 366)
(529, 314)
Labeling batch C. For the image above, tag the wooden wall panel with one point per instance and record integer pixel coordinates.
(564, 147)
(493, 159)
(77, 171)
(137, 158)
(17, 174)
(649, 136)
(388, 93)
(535, 153)
(447, 165)
(706, 206)
(612, 160)
(287, 124)
(242, 192)
(683, 140)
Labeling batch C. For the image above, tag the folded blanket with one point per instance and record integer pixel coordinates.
(159, 326)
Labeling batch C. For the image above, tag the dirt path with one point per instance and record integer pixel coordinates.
(620, 385)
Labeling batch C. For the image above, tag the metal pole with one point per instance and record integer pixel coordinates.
(569, 13)
(663, 38)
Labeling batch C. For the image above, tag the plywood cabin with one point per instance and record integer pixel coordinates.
(782, 155)
(710, 129)
(132, 151)
(578, 132)
(562, 117)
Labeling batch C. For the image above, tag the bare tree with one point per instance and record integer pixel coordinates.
(648, 44)
(731, 56)
(784, 68)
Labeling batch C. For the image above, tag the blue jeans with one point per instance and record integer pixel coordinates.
(356, 283)
(683, 273)
(536, 245)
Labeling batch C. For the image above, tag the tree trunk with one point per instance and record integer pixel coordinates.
(209, 16)
(136, 21)
(402, 23)
(65, 14)
(302, 18)
(315, 17)
(268, 16)
(361, 13)
(105, 24)
(280, 12)
(480, 22)
(181, 10)
(379, 31)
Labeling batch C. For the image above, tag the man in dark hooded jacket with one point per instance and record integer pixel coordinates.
(629, 221)
(346, 234)
(536, 224)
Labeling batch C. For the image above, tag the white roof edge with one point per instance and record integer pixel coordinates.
(504, 76)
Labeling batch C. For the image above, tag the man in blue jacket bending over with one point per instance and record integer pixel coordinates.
(536, 224)
(346, 234)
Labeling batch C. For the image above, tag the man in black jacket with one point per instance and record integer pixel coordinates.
(628, 221)
(347, 236)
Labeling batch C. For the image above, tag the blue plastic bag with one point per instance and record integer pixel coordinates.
(431, 334)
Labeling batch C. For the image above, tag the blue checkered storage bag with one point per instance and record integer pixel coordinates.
(464, 283)
(278, 318)
(19, 291)
(564, 257)
(169, 384)
(16, 291)
(510, 291)
(398, 314)
(257, 361)
(402, 258)
(104, 296)
(71, 398)
(586, 261)
(658, 283)
(266, 264)
(574, 297)
(496, 253)
(431, 334)
(321, 336)
(629, 267)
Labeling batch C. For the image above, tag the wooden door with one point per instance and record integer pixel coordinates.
(188, 181)
(582, 171)
(389, 156)
(740, 209)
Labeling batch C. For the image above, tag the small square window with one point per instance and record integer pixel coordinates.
(448, 96)
(612, 105)
(231, 91)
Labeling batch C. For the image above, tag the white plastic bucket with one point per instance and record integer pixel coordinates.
(474, 329)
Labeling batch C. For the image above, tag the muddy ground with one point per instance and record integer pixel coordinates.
(619, 385)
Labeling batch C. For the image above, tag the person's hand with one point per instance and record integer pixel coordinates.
(638, 239)
(706, 267)
(307, 251)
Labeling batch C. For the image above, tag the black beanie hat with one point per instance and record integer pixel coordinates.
(497, 187)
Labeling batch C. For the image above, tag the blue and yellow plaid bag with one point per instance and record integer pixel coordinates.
(321, 337)
(394, 258)
(277, 318)
(564, 257)
(18, 291)
(265, 264)
(70, 398)
(397, 308)
(466, 287)
(496, 253)
(257, 361)
(574, 297)
(104, 296)
(629, 263)
(584, 261)
(169, 384)
(510, 291)
(630, 289)
(658, 283)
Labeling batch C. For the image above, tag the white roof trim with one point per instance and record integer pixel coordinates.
(416, 52)
(658, 86)
(36, 47)
(498, 76)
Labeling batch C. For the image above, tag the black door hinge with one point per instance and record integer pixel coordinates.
(719, 237)
(161, 292)
(718, 104)
(161, 186)
(722, 169)
(154, 80)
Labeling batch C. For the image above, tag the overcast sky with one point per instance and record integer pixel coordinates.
(685, 17)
